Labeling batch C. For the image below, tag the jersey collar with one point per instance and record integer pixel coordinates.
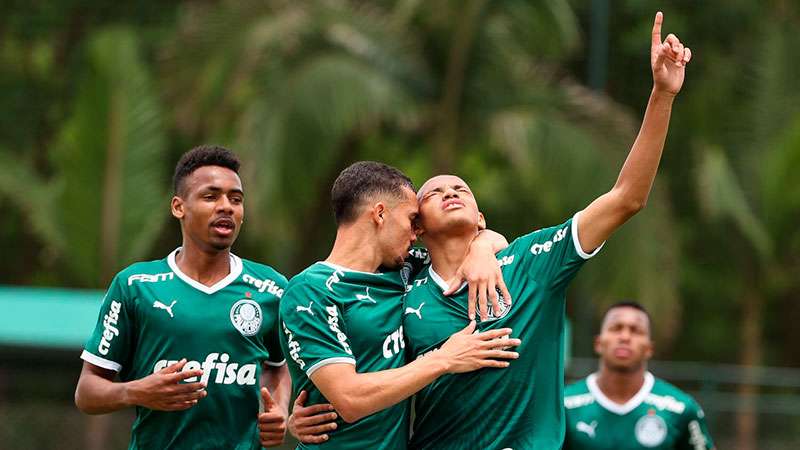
(235, 268)
(440, 281)
(616, 408)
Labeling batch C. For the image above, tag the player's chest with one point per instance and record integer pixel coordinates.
(183, 312)
(371, 317)
(643, 428)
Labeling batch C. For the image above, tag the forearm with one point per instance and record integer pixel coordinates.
(279, 384)
(97, 395)
(639, 171)
(358, 395)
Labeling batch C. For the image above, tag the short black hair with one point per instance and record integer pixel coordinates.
(361, 180)
(201, 156)
(630, 304)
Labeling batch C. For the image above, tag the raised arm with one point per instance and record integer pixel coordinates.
(668, 60)
(357, 395)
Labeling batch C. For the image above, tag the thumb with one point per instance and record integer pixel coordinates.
(300, 401)
(469, 329)
(268, 402)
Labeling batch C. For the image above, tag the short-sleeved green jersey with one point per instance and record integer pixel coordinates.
(519, 407)
(330, 315)
(153, 315)
(660, 416)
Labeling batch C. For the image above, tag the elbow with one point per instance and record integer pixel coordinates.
(349, 409)
(80, 403)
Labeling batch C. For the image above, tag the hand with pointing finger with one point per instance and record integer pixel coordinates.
(668, 59)
(164, 390)
(271, 422)
(311, 424)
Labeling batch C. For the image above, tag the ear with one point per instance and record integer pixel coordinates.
(597, 346)
(648, 353)
(481, 221)
(177, 207)
(378, 213)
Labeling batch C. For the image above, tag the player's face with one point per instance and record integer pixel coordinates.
(397, 232)
(212, 207)
(624, 342)
(446, 204)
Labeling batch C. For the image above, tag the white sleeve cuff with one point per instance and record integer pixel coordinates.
(325, 362)
(275, 364)
(577, 242)
(101, 362)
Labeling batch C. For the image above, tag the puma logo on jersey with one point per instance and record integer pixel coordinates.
(365, 297)
(587, 428)
(226, 373)
(157, 304)
(109, 327)
(307, 309)
(418, 311)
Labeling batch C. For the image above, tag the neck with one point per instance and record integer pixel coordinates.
(206, 267)
(448, 251)
(620, 386)
(355, 248)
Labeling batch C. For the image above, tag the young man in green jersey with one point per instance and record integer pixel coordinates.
(342, 317)
(521, 407)
(183, 339)
(623, 406)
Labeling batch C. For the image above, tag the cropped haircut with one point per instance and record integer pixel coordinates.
(359, 182)
(201, 156)
(630, 304)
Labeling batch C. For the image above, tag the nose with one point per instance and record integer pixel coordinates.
(224, 204)
(450, 192)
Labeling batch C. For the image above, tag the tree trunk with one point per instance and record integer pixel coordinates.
(751, 358)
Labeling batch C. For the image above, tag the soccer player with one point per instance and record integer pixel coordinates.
(521, 407)
(187, 335)
(623, 406)
(342, 317)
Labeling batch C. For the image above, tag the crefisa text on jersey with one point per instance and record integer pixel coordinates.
(227, 373)
(109, 327)
(264, 285)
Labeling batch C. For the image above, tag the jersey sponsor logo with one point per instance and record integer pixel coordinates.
(333, 324)
(246, 316)
(417, 312)
(264, 285)
(576, 401)
(393, 343)
(545, 247)
(150, 278)
(158, 305)
(365, 296)
(696, 438)
(334, 278)
(110, 329)
(226, 372)
(294, 347)
(588, 428)
(301, 308)
(650, 430)
(667, 402)
(505, 260)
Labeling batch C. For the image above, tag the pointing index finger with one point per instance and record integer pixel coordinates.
(656, 36)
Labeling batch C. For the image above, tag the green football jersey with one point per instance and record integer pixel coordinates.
(153, 315)
(330, 315)
(519, 407)
(660, 416)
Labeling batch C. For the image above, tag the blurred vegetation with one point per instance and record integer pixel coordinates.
(99, 99)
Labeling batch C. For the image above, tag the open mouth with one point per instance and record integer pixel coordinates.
(622, 352)
(223, 226)
(452, 204)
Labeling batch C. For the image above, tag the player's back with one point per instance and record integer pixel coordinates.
(154, 315)
(334, 315)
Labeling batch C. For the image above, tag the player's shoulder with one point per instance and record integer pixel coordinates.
(263, 272)
(670, 397)
(312, 280)
(577, 394)
(144, 270)
(539, 240)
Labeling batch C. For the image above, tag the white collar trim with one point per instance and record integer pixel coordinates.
(441, 283)
(235, 271)
(616, 408)
(345, 269)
